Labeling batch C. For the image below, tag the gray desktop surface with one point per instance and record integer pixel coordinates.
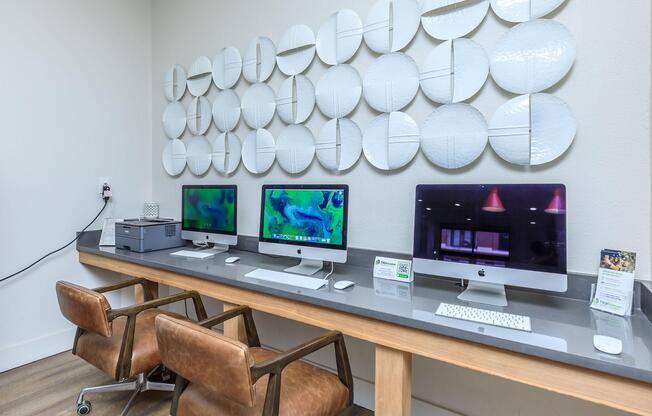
(562, 326)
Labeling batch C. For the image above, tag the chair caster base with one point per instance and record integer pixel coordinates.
(84, 408)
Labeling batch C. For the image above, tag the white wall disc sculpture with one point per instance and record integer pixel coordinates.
(338, 91)
(226, 110)
(259, 60)
(295, 148)
(199, 115)
(533, 56)
(454, 135)
(339, 37)
(517, 11)
(174, 119)
(227, 67)
(339, 144)
(295, 99)
(199, 76)
(391, 82)
(174, 157)
(532, 129)
(391, 25)
(174, 83)
(454, 71)
(226, 152)
(296, 50)
(258, 151)
(391, 141)
(450, 19)
(199, 155)
(258, 105)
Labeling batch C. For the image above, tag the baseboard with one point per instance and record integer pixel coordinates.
(34, 349)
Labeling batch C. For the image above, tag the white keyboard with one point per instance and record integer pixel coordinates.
(483, 316)
(193, 254)
(287, 279)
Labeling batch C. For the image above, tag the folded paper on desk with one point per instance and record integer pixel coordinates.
(615, 289)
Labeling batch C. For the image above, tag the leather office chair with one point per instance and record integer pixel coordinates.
(217, 375)
(120, 342)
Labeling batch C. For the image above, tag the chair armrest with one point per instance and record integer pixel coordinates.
(245, 312)
(138, 308)
(127, 283)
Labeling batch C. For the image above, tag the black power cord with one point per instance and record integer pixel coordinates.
(106, 201)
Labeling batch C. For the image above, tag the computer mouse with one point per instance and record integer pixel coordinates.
(607, 344)
(230, 260)
(343, 284)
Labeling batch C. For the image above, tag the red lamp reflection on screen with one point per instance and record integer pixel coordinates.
(557, 204)
(493, 202)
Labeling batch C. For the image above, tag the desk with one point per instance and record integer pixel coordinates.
(399, 319)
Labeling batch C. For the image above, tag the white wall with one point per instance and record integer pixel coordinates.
(76, 77)
(606, 171)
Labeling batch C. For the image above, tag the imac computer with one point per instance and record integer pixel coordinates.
(209, 215)
(304, 221)
(492, 236)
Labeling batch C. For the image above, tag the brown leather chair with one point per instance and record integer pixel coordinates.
(217, 375)
(120, 342)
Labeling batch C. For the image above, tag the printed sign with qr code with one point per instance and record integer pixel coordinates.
(393, 269)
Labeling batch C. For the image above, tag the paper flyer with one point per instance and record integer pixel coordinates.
(615, 289)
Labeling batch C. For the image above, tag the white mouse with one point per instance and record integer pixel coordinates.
(607, 344)
(343, 284)
(230, 260)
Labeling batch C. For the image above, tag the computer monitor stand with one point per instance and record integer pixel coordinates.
(307, 267)
(213, 249)
(488, 293)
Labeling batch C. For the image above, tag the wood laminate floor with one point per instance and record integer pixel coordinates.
(49, 387)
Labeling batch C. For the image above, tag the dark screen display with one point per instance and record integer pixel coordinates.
(515, 226)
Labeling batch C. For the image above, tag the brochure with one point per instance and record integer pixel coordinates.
(615, 289)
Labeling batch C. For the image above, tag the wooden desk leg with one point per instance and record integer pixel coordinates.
(393, 382)
(139, 295)
(234, 328)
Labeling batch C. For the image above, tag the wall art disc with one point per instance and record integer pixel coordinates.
(295, 99)
(339, 37)
(391, 82)
(199, 115)
(533, 56)
(450, 19)
(199, 76)
(295, 148)
(174, 83)
(227, 67)
(391, 140)
(258, 151)
(296, 50)
(517, 11)
(199, 155)
(174, 157)
(174, 120)
(258, 105)
(339, 144)
(226, 152)
(259, 60)
(226, 110)
(391, 25)
(338, 91)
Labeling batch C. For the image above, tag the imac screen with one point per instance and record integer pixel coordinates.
(209, 209)
(304, 216)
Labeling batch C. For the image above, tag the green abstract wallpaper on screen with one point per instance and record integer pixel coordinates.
(209, 209)
(313, 216)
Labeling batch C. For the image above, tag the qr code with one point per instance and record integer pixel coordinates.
(403, 269)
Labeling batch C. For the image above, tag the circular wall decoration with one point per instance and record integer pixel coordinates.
(391, 140)
(339, 37)
(226, 152)
(199, 76)
(258, 151)
(226, 110)
(448, 20)
(532, 129)
(295, 99)
(259, 60)
(199, 155)
(295, 148)
(454, 135)
(258, 105)
(174, 119)
(517, 11)
(174, 83)
(391, 82)
(227, 67)
(339, 144)
(391, 25)
(199, 115)
(533, 56)
(296, 50)
(338, 91)
(454, 71)
(174, 157)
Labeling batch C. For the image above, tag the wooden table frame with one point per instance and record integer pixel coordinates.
(395, 345)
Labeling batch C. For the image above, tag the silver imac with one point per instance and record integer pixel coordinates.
(210, 215)
(304, 221)
(492, 236)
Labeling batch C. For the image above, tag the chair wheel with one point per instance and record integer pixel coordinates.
(84, 408)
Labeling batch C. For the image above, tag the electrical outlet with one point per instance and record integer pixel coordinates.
(101, 183)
